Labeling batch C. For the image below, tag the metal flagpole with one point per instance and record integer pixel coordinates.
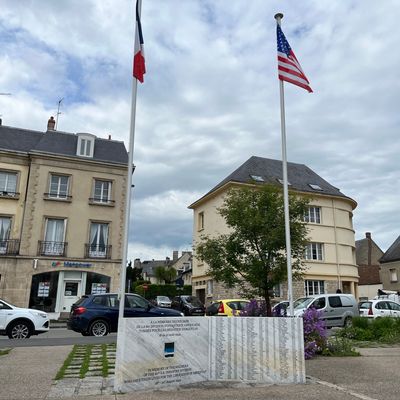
(128, 194)
(278, 18)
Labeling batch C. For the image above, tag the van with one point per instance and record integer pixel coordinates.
(337, 309)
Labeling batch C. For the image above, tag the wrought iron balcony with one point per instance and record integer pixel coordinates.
(57, 196)
(9, 247)
(97, 251)
(58, 249)
(9, 195)
(101, 201)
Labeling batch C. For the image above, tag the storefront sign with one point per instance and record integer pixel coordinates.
(99, 288)
(71, 264)
(43, 289)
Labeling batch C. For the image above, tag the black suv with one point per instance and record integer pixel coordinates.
(189, 305)
(97, 314)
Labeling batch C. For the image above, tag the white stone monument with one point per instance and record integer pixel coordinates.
(166, 352)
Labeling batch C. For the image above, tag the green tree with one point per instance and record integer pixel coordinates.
(166, 274)
(252, 256)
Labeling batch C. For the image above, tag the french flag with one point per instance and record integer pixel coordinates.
(139, 66)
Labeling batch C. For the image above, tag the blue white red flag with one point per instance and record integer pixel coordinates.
(289, 69)
(139, 66)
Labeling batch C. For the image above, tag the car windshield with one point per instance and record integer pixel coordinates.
(163, 298)
(303, 302)
(194, 301)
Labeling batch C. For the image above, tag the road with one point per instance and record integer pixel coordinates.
(56, 337)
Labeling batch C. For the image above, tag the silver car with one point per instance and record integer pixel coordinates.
(337, 309)
(163, 301)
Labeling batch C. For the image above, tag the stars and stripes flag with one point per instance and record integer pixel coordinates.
(139, 66)
(289, 69)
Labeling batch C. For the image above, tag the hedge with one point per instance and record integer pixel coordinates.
(162, 290)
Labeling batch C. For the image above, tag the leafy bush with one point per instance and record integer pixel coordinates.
(254, 309)
(339, 346)
(384, 330)
(315, 332)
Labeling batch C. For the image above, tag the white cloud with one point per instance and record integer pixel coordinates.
(210, 98)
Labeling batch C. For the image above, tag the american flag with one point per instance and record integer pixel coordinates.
(289, 69)
(139, 66)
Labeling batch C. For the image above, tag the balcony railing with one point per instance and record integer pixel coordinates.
(9, 195)
(58, 249)
(9, 247)
(57, 196)
(97, 251)
(101, 200)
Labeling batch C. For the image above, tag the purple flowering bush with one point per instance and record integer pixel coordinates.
(315, 333)
(253, 309)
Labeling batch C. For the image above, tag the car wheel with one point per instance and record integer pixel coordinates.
(19, 330)
(348, 322)
(98, 328)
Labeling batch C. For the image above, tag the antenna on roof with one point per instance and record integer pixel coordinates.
(58, 111)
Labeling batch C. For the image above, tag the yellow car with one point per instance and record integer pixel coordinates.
(226, 307)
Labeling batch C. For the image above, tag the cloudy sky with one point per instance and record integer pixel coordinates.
(211, 96)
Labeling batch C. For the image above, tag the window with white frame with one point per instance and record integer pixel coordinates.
(59, 185)
(85, 145)
(314, 251)
(313, 215)
(102, 191)
(210, 287)
(393, 275)
(98, 239)
(200, 222)
(277, 290)
(8, 183)
(5, 227)
(54, 237)
(314, 287)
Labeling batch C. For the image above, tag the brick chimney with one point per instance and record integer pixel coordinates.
(368, 236)
(51, 123)
(175, 255)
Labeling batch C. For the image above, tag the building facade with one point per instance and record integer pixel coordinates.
(368, 254)
(62, 202)
(390, 267)
(330, 255)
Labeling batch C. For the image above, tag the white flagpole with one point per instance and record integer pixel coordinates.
(278, 18)
(128, 192)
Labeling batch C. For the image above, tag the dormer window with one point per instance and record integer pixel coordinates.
(85, 147)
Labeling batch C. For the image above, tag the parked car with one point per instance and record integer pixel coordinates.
(21, 323)
(163, 301)
(379, 308)
(280, 309)
(226, 307)
(337, 309)
(189, 305)
(97, 314)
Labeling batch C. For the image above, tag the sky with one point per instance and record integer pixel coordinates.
(210, 99)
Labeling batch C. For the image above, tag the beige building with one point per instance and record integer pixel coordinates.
(62, 200)
(390, 267)
(330, 255)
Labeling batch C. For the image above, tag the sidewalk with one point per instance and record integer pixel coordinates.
(28, 373)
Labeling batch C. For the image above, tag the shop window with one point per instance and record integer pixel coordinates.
(97, 283)
(43, 294)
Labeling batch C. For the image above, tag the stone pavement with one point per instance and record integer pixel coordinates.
(28, 373)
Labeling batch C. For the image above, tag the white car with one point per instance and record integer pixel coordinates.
(379, 308)
(21, 323)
